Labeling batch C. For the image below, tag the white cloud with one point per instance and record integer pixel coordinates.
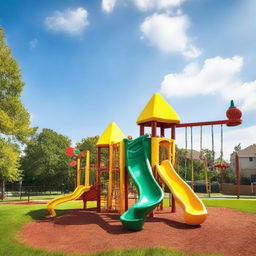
(217, 76)
(33, 43)
(231, 137)
(71, 21)
(169, 34)
(146, 5)
(108, 5)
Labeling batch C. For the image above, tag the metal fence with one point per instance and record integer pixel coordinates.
(27, 193)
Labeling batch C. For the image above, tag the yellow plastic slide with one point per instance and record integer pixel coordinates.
(59, 200)
(195, 211)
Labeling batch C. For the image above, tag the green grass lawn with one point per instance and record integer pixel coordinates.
(13, 217)
(245, 205)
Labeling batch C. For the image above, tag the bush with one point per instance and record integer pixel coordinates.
(245, 181)
(229, 176)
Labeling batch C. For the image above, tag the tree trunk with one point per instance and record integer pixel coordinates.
(1, 189)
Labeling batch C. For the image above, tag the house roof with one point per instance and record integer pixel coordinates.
(248, 152)
(196, 154)
(112, 134)
(159, 110)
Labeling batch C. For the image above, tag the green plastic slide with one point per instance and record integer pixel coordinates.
(150, 193)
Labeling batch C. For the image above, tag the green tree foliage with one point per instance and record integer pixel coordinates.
(45, 161)
(14, 118)
(229, 176)
(184, 165)
(237, 148)
(9, 160)
(9, 163)
(208, 155)
(89, 143)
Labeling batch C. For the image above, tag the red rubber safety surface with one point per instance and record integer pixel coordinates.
(226, 231)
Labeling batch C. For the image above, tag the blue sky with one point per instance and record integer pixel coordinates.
(87, 63)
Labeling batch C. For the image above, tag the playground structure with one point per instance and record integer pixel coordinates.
(150, 162)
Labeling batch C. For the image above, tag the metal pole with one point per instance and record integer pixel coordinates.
(221, 142)
(201, 139)
(237, 176)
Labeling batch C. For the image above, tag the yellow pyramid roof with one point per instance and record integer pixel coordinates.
(158, 109)
(112, 134)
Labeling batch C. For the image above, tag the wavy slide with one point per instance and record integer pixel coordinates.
(150, 193)
(195, 211)
(59, 200)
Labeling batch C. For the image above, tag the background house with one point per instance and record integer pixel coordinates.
(247, 160)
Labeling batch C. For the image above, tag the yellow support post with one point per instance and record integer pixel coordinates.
(78, 176)
(110, 177)
(122, 177)
(87, 169)
(154, 151)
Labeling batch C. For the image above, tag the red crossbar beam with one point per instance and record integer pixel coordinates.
(203, 123)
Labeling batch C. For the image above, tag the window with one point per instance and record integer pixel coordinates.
(250, 159)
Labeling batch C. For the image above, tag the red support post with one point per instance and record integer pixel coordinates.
(173, 132)
(162, 131)
(126, 190)
(98, 178)
(173, 136)
(85, 203)
(221, 179)
(153, 134)
(173, 204)
(237, 176)
(153, 128)
(161, 204)
(142, 130)
(162, 134)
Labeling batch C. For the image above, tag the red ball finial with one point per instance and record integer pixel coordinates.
(234, 115)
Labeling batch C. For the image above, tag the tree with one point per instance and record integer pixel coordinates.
(89, 143)
(14, 118)
(237, 148)
(45, 162)
(183, 164)
(9, 163)
(229, 176)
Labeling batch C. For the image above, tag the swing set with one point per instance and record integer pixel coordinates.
(234, 118)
